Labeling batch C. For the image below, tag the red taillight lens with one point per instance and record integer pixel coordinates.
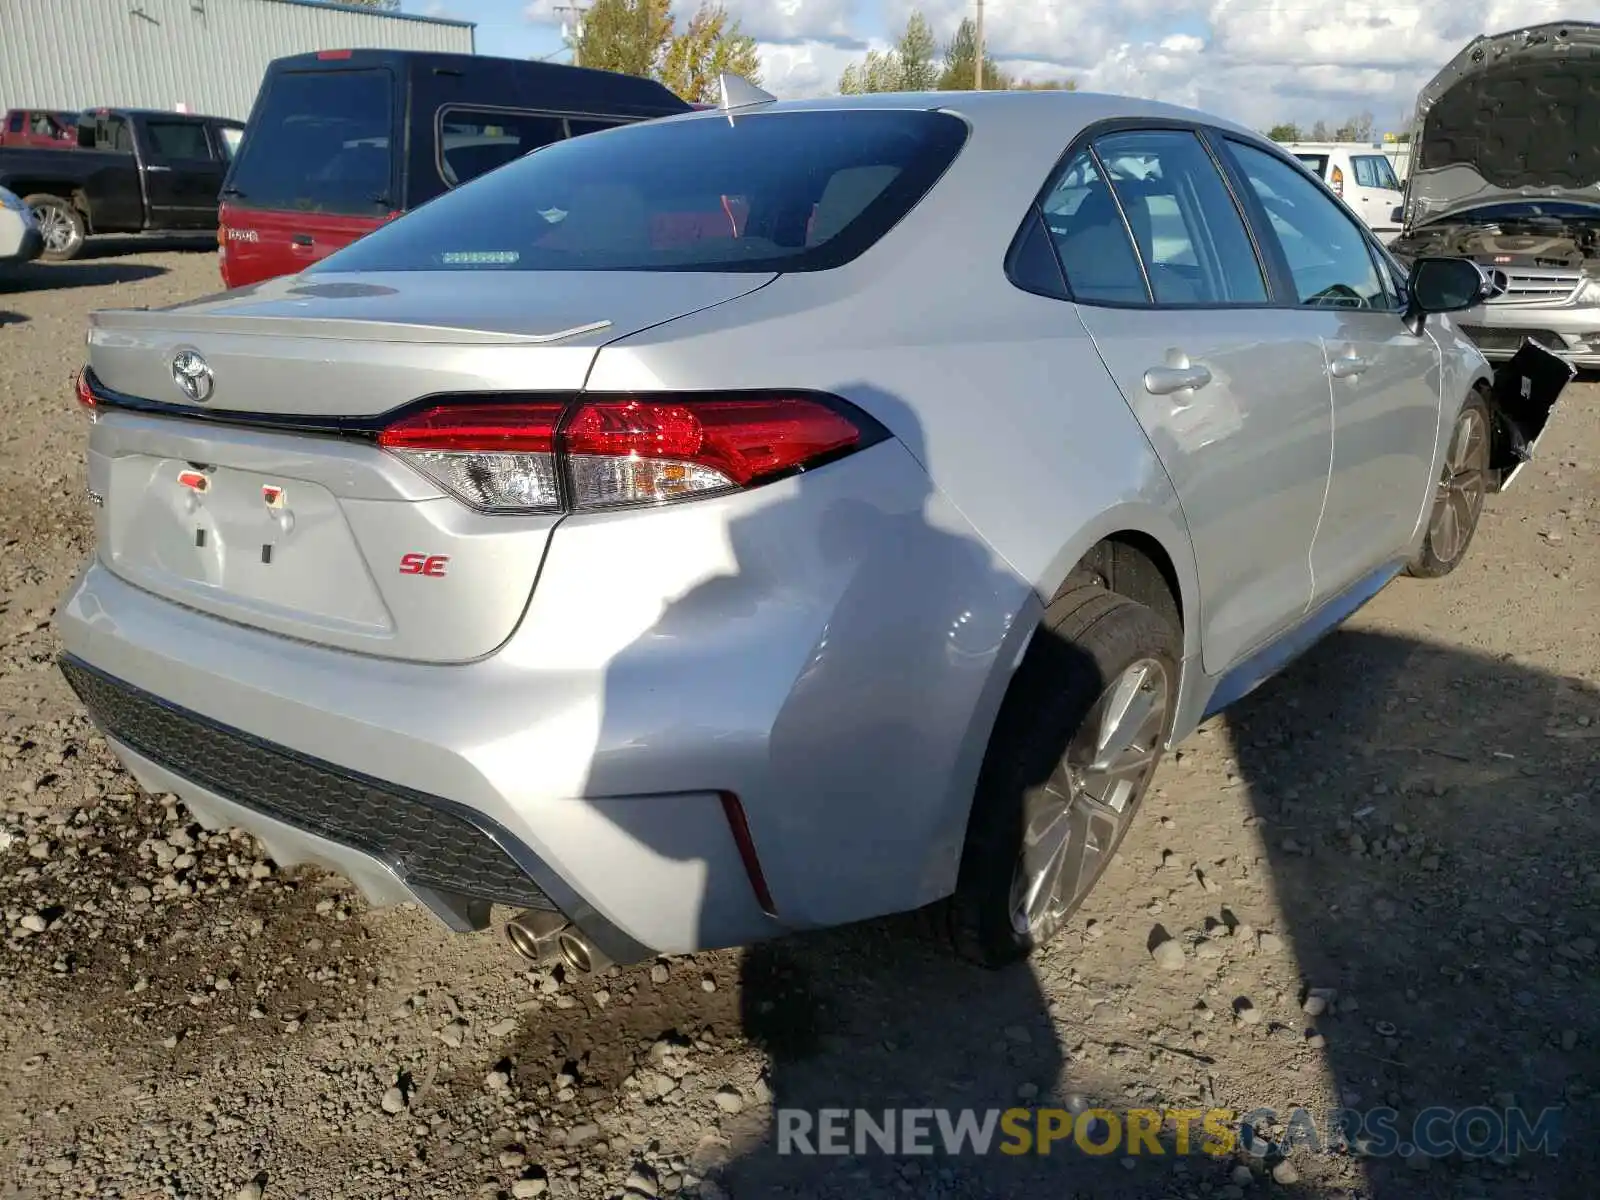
(641, 451)
(514, 457)
(85, 392)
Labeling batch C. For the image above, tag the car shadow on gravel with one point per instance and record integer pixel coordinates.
(11, 318)
(45, 277)
(1429, 820)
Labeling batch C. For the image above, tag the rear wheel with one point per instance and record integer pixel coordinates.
(61, 225)
(1079, 738)
(1458, 500)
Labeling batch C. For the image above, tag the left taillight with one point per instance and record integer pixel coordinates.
(607, 452)
(1338, 182)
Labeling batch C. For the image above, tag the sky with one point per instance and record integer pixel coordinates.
(1254, 61)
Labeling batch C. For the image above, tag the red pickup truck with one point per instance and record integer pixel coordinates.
(41, 128)
(340, 141)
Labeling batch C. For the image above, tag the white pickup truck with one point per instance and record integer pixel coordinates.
(1361, 175)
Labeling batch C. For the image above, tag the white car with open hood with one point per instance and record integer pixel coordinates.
(1505, 170)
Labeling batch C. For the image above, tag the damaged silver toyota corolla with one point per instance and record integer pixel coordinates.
(1506, 171)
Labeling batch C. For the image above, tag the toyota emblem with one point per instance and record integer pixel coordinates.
(193, 374)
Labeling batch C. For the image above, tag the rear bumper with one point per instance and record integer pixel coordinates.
(830, 649)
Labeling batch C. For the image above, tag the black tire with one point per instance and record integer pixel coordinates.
(1459, 497)
(62, 224)
(1089, 639)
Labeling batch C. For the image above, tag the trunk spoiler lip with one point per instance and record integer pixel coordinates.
(334, 328)
(360, 428)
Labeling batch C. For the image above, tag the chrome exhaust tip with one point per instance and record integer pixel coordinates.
(535, 935)
(579, 953)
(548, 938)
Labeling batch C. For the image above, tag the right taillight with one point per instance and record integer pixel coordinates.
(1337, 180)
(545, 456)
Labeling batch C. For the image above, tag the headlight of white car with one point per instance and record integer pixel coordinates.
(1588, 292)
(12, 201)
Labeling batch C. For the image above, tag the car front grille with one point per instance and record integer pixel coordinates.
(1509, 341)
(420, 837)
(1537, 286)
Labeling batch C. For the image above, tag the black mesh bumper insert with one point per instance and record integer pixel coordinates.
(417, 835)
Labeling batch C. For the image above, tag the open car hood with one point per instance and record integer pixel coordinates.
(1513, 116)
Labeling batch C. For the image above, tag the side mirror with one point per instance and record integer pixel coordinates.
(1444, 285)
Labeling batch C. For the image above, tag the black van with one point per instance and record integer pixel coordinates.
(341, 141)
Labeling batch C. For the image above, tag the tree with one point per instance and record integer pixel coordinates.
(627, 36)
(875, 73)
(1355, 129)
(961, 63)
(710, 45)
(1319, 132)
(916, 64)
(641, 37)
(916, 52)
(1285, 132)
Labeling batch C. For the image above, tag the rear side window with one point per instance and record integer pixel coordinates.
(1374, 171)
(1317, 164)
(475, 142)
(784, 191)
(1188, 236)
(177, 139)
(113, 133)
(320, 142)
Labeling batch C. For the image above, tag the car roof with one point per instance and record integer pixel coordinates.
(1048, 117)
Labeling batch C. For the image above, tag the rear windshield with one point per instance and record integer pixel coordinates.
(784, 191)
(320, 143)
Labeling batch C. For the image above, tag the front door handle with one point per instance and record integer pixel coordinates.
(302, 239)
(1349, 366)
(1164, 381)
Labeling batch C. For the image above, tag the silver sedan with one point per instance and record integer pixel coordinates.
(770, 517)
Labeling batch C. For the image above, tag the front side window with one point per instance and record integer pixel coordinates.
(178, 140)
(473, 142)
(1326, 251)
(783, 191)
(1188, 236)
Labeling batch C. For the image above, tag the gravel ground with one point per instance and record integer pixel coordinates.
(1405, 822)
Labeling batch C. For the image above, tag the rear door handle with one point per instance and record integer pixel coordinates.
(1348, 366)
(149, 167)
(302, 239)
(1164, 381)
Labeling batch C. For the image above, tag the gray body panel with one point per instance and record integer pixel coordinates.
(831, 648)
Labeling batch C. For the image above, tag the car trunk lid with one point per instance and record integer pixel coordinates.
(266, 500)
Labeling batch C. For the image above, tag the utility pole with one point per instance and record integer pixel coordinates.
(977, 67)
(577, 26)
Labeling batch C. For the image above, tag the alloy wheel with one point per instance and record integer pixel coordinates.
(1461, 487)
(55, 228)
(1089, 799)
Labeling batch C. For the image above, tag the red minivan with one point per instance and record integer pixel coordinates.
(340, 141)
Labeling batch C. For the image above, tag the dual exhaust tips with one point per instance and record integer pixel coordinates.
(548, 938)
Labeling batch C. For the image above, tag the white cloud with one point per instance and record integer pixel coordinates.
(1257, 61)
